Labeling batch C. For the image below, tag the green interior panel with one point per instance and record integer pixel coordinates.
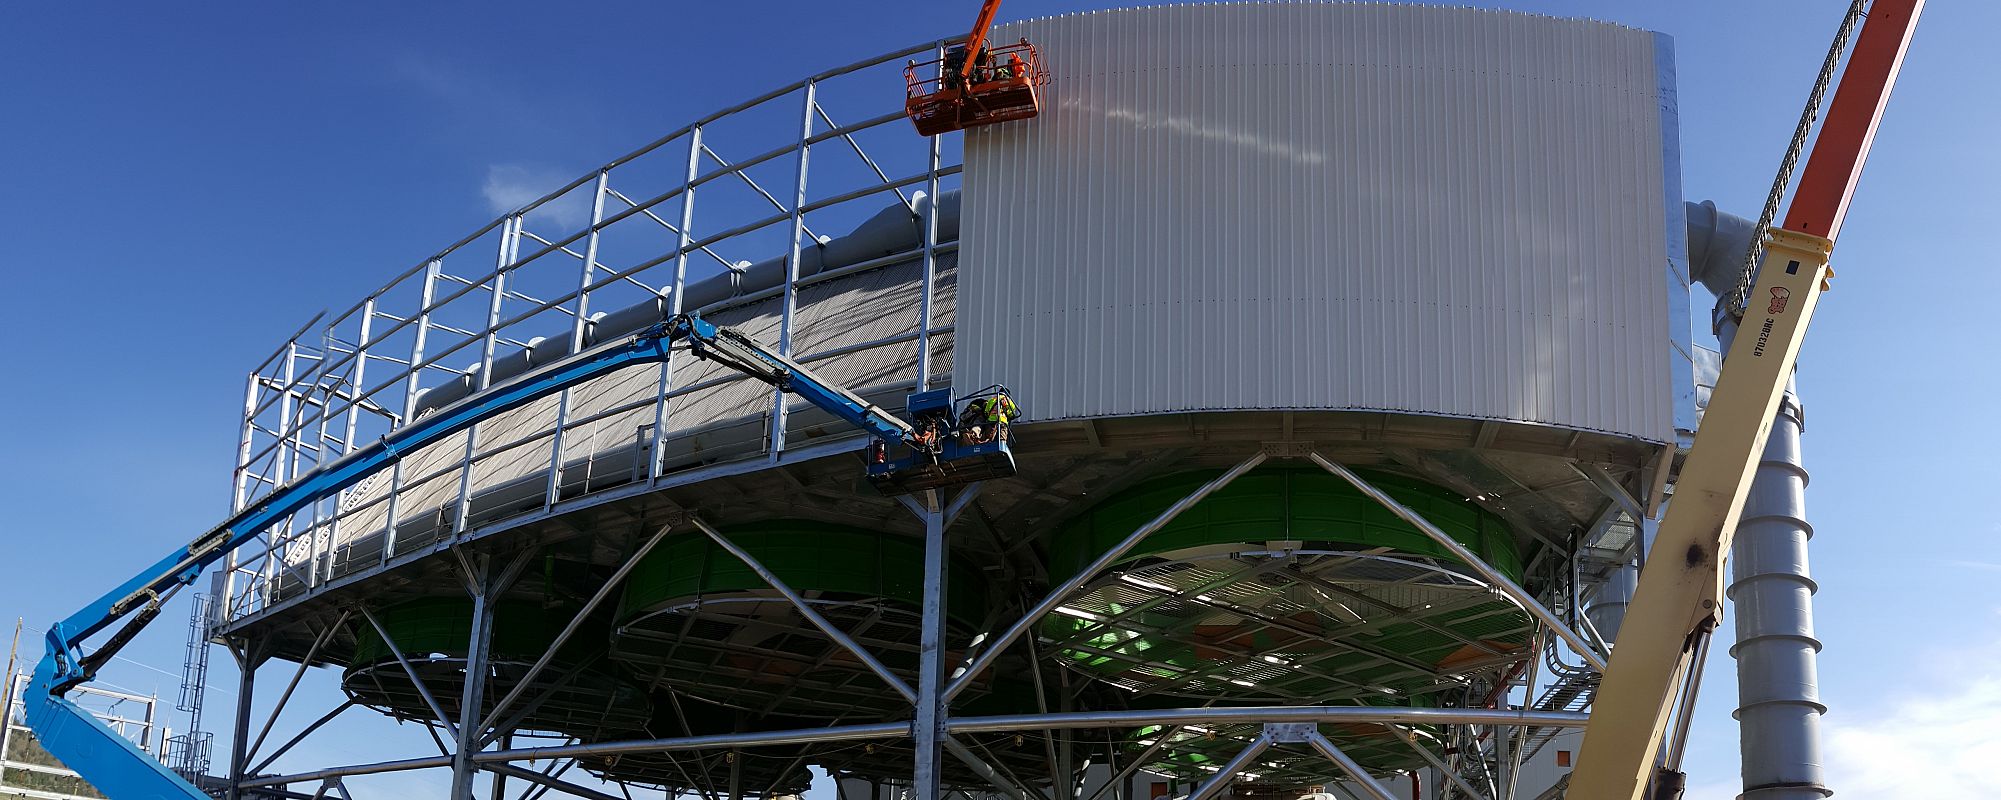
(1288, 504)
(809, 557)
(1203, 608)
(521, 629)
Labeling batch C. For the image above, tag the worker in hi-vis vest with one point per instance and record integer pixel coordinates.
(986, 418)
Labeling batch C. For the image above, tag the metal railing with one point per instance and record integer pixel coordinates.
(629, 232)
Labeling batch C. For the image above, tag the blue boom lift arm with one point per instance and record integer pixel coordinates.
(930, 455)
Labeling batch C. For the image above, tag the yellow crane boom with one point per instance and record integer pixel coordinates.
(1679, 594)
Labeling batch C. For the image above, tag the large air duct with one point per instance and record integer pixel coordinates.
(1778, 689)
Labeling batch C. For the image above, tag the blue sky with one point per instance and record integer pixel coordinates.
(184, 185)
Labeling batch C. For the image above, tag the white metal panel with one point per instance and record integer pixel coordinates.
(1307, 205)
(842, 316)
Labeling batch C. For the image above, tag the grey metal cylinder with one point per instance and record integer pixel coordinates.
(1778, 687)
(1608, 608)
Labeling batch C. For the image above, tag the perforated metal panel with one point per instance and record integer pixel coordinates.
(1329, 206)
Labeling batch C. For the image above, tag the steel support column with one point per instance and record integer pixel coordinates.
(249, 655)
(933, 700)
(474, 694)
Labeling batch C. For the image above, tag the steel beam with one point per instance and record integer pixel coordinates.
(1494, 577)
(286, 696)
(1360, 776)
(302, 734)
(423, 690)
(534, 777)
(1436, 762)
(1245, 715)
(805, 609)
(1145, 757)
(1057, 595)
(984, 770)
(934, 698)
(473, 696)
(604, 590)
(247, 661)
(1221, 780)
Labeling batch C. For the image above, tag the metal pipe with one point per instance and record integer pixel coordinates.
(1060, 593)
(422, 690)
(301, 736)
(1778, 684)
(805, 609)
(375, 768)
(788, 305)
(286, 696)
(1436, 762)
(1466, 556)
(929, 237)
(1360, 776)
(1684, 714)
(1145, 757)
(1247, 715)
(532, 776)
(982, 768)
(576, 621)
(1229, 771)
(846, 733)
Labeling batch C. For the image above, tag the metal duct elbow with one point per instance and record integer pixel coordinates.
(1717, 241)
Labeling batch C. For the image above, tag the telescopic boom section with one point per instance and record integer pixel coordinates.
(1680, 589)
(977, 39)
(120, 769)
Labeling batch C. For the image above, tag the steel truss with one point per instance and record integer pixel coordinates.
(471, 743)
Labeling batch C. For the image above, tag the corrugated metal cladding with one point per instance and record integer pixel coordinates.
(1317, 206)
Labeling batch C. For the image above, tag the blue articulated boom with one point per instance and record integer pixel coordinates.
(929, 455)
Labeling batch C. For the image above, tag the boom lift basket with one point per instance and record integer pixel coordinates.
(953, 456)
(958, 91)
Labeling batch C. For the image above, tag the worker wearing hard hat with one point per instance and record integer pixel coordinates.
(986, 418)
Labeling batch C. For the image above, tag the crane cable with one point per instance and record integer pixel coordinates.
(1747, 273)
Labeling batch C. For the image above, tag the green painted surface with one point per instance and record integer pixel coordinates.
(1283, 503)
(809, 557)
(521, 629)
(1248, 660)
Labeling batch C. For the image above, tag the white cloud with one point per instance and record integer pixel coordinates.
(1938, 739)
(511, 186)
(1935, 739)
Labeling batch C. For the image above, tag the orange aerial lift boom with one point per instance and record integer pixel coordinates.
(1679, 598)
(972, 84)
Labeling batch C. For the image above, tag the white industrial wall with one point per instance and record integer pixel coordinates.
(1330, 206)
